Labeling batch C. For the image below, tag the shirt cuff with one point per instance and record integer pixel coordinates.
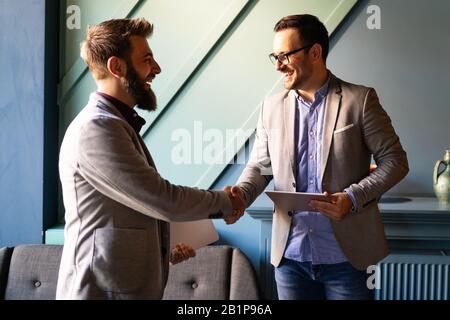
(352, 197)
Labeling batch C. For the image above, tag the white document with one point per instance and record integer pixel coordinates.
(294, 201)
(197, 234)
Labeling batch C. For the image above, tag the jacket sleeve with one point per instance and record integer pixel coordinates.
(109, 161)
(258, 171)
(384, 144)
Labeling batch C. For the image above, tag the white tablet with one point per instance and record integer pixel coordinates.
(294, 201)
(197, 234)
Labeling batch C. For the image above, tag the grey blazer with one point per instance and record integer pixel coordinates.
(117, 210)
(355, 127)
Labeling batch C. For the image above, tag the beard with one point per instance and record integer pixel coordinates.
(141, 92)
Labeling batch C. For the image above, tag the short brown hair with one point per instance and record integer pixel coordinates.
(111, 38)
(310, 28)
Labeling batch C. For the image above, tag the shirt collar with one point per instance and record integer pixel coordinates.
(318, 96)
(131, 116)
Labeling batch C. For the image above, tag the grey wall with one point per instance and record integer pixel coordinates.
(23, 121)
(408, 62)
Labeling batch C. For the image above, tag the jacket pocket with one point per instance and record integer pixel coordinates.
(344, 128)
(120, 261)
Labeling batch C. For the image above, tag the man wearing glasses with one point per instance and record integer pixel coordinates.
(318, 136)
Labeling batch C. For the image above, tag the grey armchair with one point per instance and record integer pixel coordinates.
(216, 273)
(30, 272)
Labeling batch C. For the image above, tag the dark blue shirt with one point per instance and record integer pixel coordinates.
(131, 116)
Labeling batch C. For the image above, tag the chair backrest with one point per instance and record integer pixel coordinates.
(5, 260)
(216, 273)
(33, 272)
(30, 272)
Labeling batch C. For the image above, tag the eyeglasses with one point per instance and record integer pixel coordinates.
(283, 58)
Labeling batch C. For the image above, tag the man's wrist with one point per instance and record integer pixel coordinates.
(353, 200)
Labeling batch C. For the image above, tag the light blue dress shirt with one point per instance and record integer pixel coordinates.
(311, 237)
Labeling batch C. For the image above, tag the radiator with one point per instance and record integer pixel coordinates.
(413, 277)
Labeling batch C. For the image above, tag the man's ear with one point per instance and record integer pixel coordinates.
(117, 67)
(316, 52)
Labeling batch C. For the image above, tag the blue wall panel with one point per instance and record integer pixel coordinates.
(22, 41)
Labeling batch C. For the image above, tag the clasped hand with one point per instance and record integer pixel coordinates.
(238, 203)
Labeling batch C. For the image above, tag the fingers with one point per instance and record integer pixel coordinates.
(234, 191)
(237, 192)
(336, 209)
(328, 209)
(234, 217)
(322, 205)
(332, 198)
(186, 250)
(327, 205)
(181, 252)
(231, 219)
(238, 203)
(237, 214)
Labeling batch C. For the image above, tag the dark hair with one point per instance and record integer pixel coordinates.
(111, 38)
(310, 29)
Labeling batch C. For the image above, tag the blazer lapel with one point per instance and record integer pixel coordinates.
(332, 107)
(289, 127)
(105, 105)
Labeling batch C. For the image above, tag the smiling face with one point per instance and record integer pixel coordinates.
(141, 70)
(298, 72)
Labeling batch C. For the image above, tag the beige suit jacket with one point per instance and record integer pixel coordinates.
(355, 127)
(117, 209)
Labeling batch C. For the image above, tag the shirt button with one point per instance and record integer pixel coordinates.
(194, 285)
(311, 132)
(311, 156)
(310, 230)
(37, 284)
(311, 181)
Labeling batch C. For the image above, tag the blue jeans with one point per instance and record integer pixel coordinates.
(305, 281)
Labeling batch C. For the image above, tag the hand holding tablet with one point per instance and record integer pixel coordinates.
(295, 201)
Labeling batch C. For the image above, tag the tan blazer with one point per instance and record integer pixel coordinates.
(117, 209)
(355, 127)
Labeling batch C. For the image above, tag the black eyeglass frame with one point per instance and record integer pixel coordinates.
(274, 58)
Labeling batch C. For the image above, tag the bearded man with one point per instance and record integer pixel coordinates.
(117, 205)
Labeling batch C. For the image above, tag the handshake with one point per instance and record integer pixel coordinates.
(238, 203)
